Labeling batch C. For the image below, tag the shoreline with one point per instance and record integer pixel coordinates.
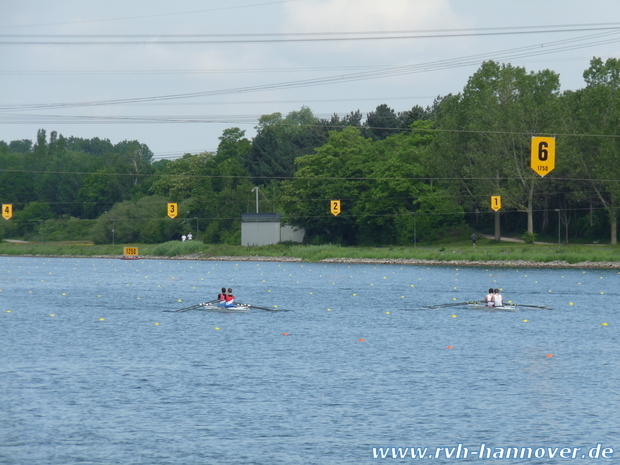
(362, 261)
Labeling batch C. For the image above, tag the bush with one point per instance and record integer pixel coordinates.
(30, 218)
(66, 229)
(141, 221)
(529, 237)
(176, 248)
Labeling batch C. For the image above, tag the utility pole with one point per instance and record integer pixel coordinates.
(559, 226)
(256, 190)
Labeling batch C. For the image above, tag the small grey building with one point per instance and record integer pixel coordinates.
(266, 229)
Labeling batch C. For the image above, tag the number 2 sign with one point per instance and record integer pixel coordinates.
(335, 207)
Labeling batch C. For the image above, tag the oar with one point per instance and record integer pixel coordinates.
(186, 308)
(196, 306)
(453, 305)
(265, 308)
(534, 306)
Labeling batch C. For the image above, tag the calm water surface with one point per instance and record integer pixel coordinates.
(95, 369)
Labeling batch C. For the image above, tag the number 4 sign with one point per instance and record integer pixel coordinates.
(7, 211)
(543, 155)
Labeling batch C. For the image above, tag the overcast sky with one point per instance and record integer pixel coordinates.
(174, 75)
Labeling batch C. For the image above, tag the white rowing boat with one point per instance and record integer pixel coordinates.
(503, 308)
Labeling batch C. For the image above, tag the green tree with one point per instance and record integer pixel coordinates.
(215, 187)
(381, 123)
(279, 141)
(20, 146)
(16, 186)
(99, 192)
(333, 172)
(485, 137)
(335, 123)
(134, 161)
(32, 216)
(398, 188)
(595, 111)
(133, 222)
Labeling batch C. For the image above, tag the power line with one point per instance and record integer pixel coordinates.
(235, 71)
(255, 38)
(179, 13)
(520, 52)
(314, 178)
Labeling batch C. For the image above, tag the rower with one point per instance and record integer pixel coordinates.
(230, 298)
(222, 295)
(498, 299)
(488, 299)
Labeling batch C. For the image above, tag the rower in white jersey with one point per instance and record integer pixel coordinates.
(498, 299)
(488, 299)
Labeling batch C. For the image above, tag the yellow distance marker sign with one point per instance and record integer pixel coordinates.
(7, 211)
(173, 210)
(335, 207)
(542, 159)
(131, 251)
(496, 202)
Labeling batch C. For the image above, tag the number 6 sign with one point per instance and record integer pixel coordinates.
(543, 155)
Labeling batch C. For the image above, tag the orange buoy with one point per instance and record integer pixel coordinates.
(450, 347)
(549, 355)
(361, 340)
(285, 334)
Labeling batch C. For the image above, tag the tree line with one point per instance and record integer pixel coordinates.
(401, 177)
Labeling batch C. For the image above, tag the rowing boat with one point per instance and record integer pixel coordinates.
(503, 308)
(221, 309)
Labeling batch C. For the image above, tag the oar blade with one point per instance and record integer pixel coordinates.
(267, 309)
(543, 307)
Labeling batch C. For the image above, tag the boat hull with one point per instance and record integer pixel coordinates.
(503, 308)
(221, 309)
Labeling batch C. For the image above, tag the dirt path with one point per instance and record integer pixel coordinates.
(512, 239)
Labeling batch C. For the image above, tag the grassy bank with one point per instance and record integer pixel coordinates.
(486, 250)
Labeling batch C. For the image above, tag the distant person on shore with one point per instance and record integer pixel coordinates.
(189, 236)
(474, 238)
(183, 237)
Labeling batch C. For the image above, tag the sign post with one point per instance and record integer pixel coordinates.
(335, 207)
(496, 204)
(542, 159)
(7, 211)
(173, 209)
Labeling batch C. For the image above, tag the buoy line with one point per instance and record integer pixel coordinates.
(362, 261)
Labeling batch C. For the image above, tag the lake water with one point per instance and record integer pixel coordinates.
(95, 369)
